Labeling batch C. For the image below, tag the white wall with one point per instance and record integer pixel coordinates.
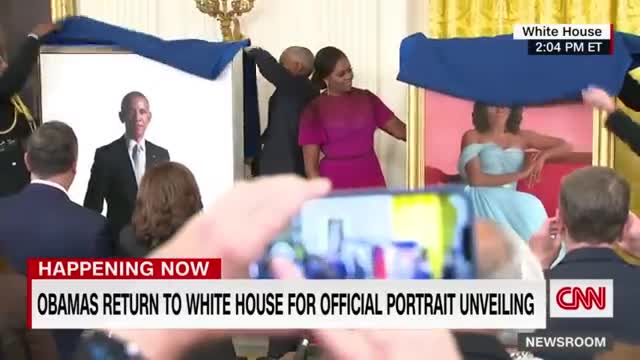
(169, 19)
(369, 31)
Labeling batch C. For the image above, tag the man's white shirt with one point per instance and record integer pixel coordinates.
(50, 183)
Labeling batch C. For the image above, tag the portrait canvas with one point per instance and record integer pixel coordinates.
(447, 118)
(198, 121)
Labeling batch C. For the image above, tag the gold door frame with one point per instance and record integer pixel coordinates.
(63, 8)
(602, 140)
(416, 139)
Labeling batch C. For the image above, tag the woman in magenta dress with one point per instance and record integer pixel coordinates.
(337, 128)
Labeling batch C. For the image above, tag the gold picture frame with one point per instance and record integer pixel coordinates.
(603, 150)
(63, 8)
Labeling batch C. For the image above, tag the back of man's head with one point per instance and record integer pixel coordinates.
(594, 205)
(298, 60)
(52, 150)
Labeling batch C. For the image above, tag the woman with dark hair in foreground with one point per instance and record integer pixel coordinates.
(341, 123)
(168, 197)
(493, 160)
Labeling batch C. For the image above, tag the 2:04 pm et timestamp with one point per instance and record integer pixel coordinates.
(569, 47)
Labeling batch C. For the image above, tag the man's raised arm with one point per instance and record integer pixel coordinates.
(269, 67)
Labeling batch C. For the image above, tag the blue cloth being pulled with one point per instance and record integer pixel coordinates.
(498, 70)
(198, 57)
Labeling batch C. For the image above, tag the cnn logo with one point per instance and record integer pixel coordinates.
(581, 298)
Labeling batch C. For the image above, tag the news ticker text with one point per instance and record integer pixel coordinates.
(278, 304)
(298, 304)
(569, 47)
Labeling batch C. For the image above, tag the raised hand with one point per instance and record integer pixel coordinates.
(269, 202)
(377, 344)
(598, 98)
(249, 49)
(538, 160)
(45, 29)
(528, 168)
(545, 244)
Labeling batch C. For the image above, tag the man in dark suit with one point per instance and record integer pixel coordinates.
(119, 166)
(593, 216)
(41, 220)
(280, 152)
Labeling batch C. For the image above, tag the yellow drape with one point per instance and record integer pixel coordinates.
(473, 18)
(63, 8)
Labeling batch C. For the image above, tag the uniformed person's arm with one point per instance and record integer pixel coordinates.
(627, 130)
(270, 68)
(19, 67)
(619, 123)
(630, 93)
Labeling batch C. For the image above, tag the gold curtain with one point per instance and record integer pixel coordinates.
(473, 18)
(63, 8)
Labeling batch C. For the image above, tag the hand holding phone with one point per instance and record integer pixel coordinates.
(379, 235)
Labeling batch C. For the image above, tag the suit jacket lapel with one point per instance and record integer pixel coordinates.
(150, 156)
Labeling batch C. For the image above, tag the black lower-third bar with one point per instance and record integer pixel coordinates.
(561, 342)
(569, 47)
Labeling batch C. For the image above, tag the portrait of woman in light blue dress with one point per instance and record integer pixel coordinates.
(493, 160)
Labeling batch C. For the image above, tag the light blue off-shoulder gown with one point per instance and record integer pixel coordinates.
(505, 205)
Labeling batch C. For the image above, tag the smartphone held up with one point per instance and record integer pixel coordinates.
(426, 234)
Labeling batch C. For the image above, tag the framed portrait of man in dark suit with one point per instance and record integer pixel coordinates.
(119, 165)
(131, 112)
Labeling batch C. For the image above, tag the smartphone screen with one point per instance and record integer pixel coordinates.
(379, 235)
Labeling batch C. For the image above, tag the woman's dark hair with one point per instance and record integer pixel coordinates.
(480, 118)
(324, 64)
(167, 198)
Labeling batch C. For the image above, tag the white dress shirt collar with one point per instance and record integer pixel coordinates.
(131, 143)
(50, 183)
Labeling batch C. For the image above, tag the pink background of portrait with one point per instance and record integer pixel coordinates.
(447, 118)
